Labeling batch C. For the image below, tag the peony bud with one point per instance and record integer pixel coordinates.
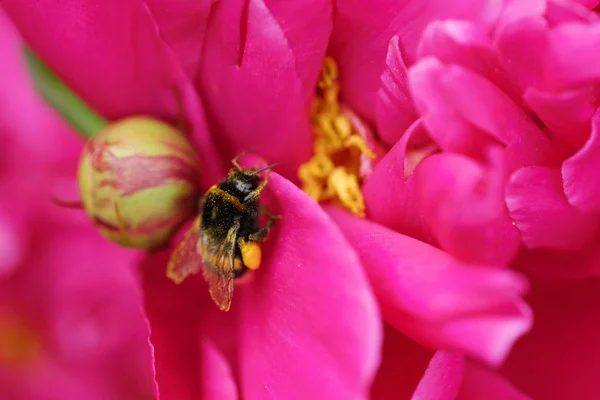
(138, 181)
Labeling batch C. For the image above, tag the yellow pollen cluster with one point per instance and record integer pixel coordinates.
(333, 173)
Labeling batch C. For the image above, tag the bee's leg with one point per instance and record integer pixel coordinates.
(262, 233)
(254, 194)
(272, 217)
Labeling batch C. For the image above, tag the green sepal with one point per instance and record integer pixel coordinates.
(74, 110)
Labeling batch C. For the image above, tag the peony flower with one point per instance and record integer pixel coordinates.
(70, 322)
(490, 112)
(430, 118)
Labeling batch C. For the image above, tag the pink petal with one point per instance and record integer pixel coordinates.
(115, 48)
(559, 358)
(395, 111)
(436, 300)
(466, 44)
(362, 31)
(80, 296)
(567, 113)
(463, 202)
(255, 93)
(435, 104)
(11, 243)
(390, 192)
(481, 382)
(182, 25)
(442, 378)
(184, 321)
(28, 124)
(514, 43)
(538, 205)
(515, 10)
(580, 173)
(485, 106)
(112, 49)
(559, 12)
(402, 366)
(571, 55)
(563, 35)
(309, 314)
(465, 113)
(217, 375)
(307, 27)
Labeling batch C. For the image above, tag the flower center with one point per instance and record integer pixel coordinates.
(333, 172)
(18, 343)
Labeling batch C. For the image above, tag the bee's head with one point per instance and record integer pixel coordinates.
(243, 181)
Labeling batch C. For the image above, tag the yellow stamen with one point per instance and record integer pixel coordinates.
(333, 171)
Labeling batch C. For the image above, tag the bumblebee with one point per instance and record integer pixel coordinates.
(224, 239)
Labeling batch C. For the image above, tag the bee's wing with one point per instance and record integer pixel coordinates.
(219, 269)
(186, 259)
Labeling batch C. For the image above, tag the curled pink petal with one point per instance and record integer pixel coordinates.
(514, 43)
(469, 45)
(580, 173)
(292, 310)
(442, 377)
(362, 31)
(446, 125)
(395, 111)
(390, 192)
(485, 106)
(435, 299)
(541, 212)
(567, 113)
(467, 113)
(463, 202)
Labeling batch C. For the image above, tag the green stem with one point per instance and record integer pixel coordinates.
(74, 110)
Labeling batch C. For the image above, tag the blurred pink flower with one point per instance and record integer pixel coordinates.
(70, 319)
